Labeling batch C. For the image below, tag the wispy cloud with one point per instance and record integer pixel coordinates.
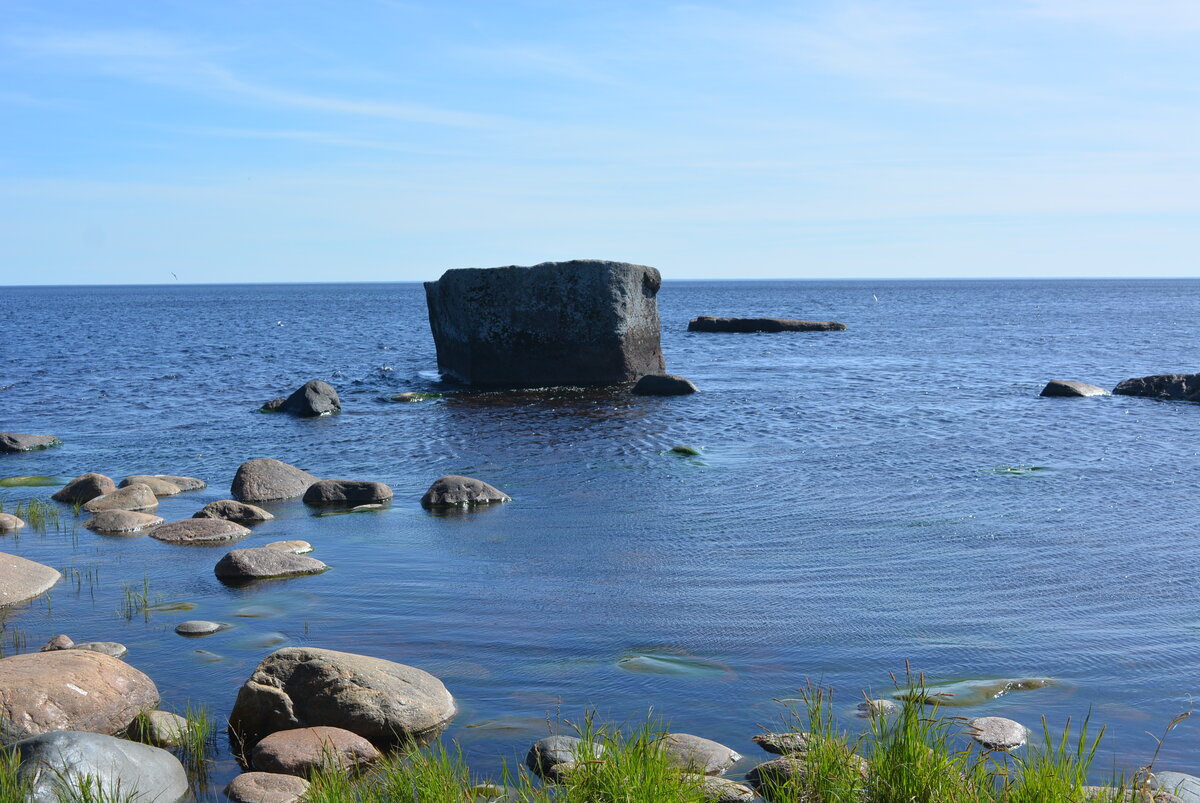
(1158, 17)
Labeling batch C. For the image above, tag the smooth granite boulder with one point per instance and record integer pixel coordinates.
(315, 398)
(257, 563)
(267, 480)
(584, 322)
(131, 497)
(708, 323)
(1175, 387)
(266, 787)
(232, 510)
(299, 687)
(199, 531)
(454, 490)
(663, 385)
(70, 690)
(300, 751)
(20, 442)
(84, 488)
(9, 522)
(121, 521)
(160, 487)
(347, 492)
(22, 580)
(1067, 388)
(697, 754)
(57, 765)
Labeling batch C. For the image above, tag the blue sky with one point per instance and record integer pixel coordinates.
(224, 141)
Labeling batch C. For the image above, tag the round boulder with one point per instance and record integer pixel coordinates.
(22, 580)
(60, 642)
(299, 687)
(199, 531)
(663, 385)
(58, 766)
(70, 690)
(779, 779)
(84, 488)
(19, 442)
(266, 480)
(457, 491)
(132, 497)
(159, 487)
(121, 521)
(261, 562)
(313, 399)
(696, 754)
(347, 492)
(553, 756)
(10, 522)
(998, 733)
(1062, 387)
(159, 728)
(231, 510)
(300, 751)
(266, 787)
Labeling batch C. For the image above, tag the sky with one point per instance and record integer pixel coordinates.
(380, 140)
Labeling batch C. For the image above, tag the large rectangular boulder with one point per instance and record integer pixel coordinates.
(584, 322)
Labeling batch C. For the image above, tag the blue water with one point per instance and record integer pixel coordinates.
(853, 507)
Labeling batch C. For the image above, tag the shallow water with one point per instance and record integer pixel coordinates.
(894, 492)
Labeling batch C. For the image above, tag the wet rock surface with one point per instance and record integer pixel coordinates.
(122, 521)
(1066, 388)
(199, 531)
(310, 400)
(663, 385)
(1173, 387)
(198, 627)
(709, 323)
(264, 562)
(20, 442)
(454, 490)
(347, 492)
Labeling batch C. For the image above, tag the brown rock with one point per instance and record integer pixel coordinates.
(347, 492)
(22, 580)
(232, 510)
(60, 642)
(263, 562)
(299, 751)
(85, 488)
(9, 522)
(131, 497)
(159, 487)
(70, 690)
(268, 480)
(199, 531)
(266, 787)
(184, 483)
(121, 521)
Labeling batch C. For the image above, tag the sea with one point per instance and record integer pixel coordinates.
(894, 498)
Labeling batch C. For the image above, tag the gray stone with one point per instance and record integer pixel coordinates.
(261, 562)
(347, 492)
(57, 764)
(868, 709)
(159, 487)
(112, 649)
(60, 642)
(70, 690)
(159, 728)
(274, 405)
(782, 744)
(121, 521)
(551, 756)
(300, 751)
(382, 701)
(199, 627)
(1185, 787)
(778, 780)
(663, 385)
(268, 480)
(296, 547)
(19, 442)
(708, 323)
(998, 733)
(1063, 387)
(457, 491)
(1175, 387)
(9, 522)
(696, 754)
(266, 787)
(22, 580)
(131, 497)
(199, 531)
(232, 510)
(313, 399)
(584, 322)
(84, 488)
(723, 790)
(184, 483)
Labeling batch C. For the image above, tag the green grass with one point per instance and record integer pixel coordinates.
(138, 601)
(37, 515)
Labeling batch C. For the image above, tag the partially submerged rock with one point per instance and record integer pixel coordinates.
(454, 490)
(551, 757)
(1174, 387)
(663, 385)
(199, 627)
(1064, 387)
(312, 399)
(296, 547)
(584, 322)
(266, 480)
(382, 701)
(20, 442)
(22, 580)
(347, 492)
(998, 733)
(782, 744)
(160, 487)
(122, 521)
(84, 488)
(9, 522)
(232, 510)
(91, 766)
(112, 649)
(697, 754)
(266, 787)
(199, 531)
(70, 690)
(159, 728)
(132, 497)
(184, 483)
(60, 642)
(708, 323)
(300, 751)
(262, 562)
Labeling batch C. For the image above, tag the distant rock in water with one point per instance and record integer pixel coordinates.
(262, 562)
(1063, 387)
(22, 580)
(663, 385)
(708, 323)
(584, 322)
(18, 442)
(315, 398)
(160, 487)
(10, 522)
(121, 521)
(347, 492)
(199, 531)
(458, 491)
(233, 511)
(85, 488)
(1175, 387)
(132, 497)
(267, 480)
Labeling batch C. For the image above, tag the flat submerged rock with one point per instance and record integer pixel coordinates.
(22, 580)
(20, 442)
(199, 531)
(122, 521)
